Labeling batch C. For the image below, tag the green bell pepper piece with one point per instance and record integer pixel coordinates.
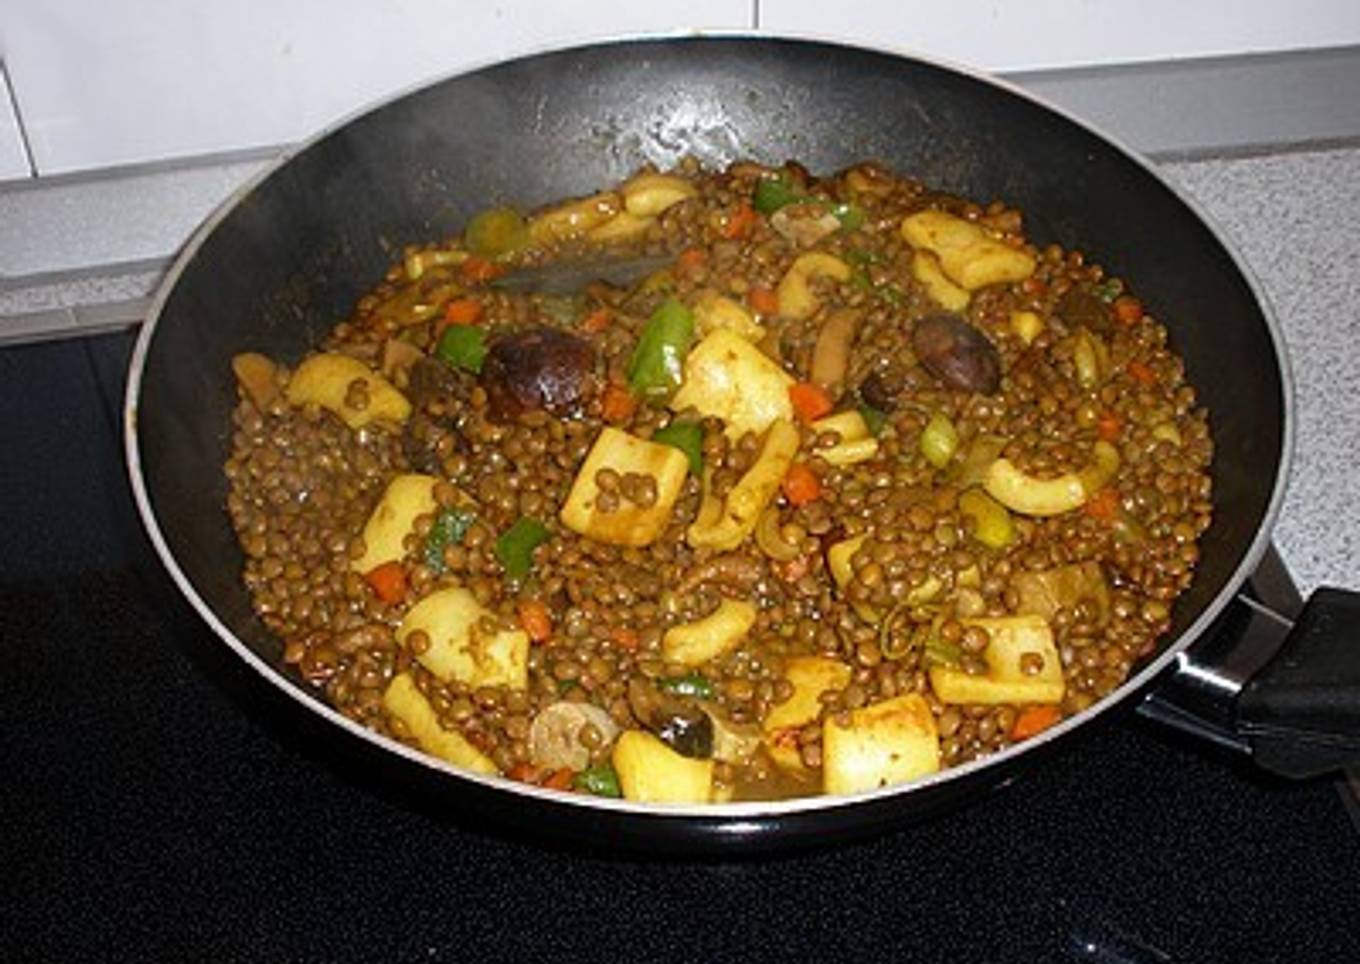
(463, 346)
(691, 684)
(601, 781)
(773, 193)
(515, 546)
(657, 365)
(688, 437)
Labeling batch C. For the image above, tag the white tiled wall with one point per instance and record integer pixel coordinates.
(1014, 35)
(106, 83)
(12, 161)
(113, 83)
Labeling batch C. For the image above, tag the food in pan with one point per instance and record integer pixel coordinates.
(858, 485)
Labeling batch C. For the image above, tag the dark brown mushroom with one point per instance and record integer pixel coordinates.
(1080, 307)
(539, 368)
(957, 353)
(680, 724)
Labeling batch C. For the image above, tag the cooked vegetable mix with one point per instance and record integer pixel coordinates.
(859, 485)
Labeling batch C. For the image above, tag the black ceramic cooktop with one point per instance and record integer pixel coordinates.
(150, 811)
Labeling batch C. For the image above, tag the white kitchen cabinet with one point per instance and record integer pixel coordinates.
(1005, 35)
(13, 163)
(113, 83)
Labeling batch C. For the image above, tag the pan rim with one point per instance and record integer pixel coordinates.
(733, 819)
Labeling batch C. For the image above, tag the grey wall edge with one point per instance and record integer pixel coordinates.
(86, 227)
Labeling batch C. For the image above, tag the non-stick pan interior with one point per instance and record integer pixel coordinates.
(290, 259)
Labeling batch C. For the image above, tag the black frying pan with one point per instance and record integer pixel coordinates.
(280, 264)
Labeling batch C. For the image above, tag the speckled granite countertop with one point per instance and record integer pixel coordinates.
(1295, 219)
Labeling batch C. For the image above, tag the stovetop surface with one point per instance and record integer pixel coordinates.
(150, 813)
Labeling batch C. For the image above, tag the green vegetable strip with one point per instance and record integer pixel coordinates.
(772, 194)
(692, 685)
(874, 419)
(657, 365)
(601, 781)
(449, 527)
(688, 437)
(463, 346)
(849, 214)
(515, 546)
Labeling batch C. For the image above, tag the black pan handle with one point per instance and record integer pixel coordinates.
(1276, 678)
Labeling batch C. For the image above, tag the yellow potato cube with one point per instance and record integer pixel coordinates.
(885, 743)
(651, 772)
(405, 497)
(729, 378)
(1044, 592)
(460, 648)
(629, 524)
(968, 255)
(715, 312)
(925, 268)
(325, 380)
(404, 701)
(1015, 640)
(693, 644)
(811, 676)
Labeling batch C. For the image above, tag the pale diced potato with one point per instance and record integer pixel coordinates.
(325, 380)
(651, 772)
(724, 524)
(574, 218)
(405, 498)
(925, 268)
(857, 443)
(810, 676)
(1012, 637)
(968, 255)
(621, 225)
(404, 701)
(647, 195)
(1044, 592)
(629, 524)
(460, 649)
(885, 743)
(692, 644)
(795, 294)
(729, 378)
(716, 312)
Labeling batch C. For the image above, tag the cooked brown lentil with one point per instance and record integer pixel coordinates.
(1081, 365)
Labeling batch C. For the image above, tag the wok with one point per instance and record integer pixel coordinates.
(280, 263)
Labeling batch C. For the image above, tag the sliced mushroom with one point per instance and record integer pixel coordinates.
(831, 354)
(555, 735)
(804, 224)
